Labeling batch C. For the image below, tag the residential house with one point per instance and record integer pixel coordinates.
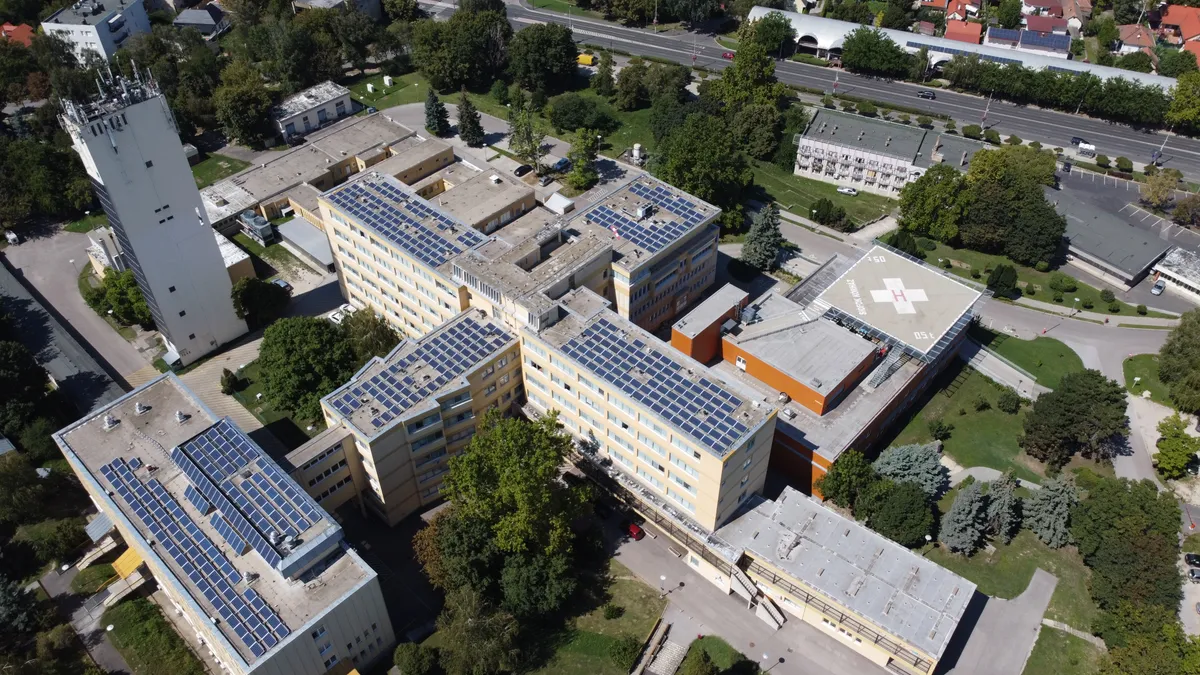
(209, 20)
(1046, 24)
(312, 109)
(1042, 7)
(1074, 13)
(1048, 44)
(18, 33)
(1182, 24)
(961, 10)
(963, 31)
(1134, 37)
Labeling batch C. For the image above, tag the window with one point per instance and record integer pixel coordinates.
(318, 633)
(324, 649)
(740, 362)
(649, 478)
(683, 484)
(680, 500)
(678, 461)
(330, 661)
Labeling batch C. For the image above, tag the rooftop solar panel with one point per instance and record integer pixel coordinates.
(1012, 34)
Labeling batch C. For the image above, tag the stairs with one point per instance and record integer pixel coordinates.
(668, 659)
(769, 612)
(891, 363)
(743, 586)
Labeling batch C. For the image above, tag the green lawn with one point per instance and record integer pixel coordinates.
(1145, 366)
(215, 167)
(728, 660)
(797, 194)
(405, 89)
(1191, 543)
(1045, 358)
(290, 431)
(147, 640)
(1060, 653)
(87, 223)
(1040, 280)
(270, 260)
(1005, 573)
(566, 6)
(92, 579)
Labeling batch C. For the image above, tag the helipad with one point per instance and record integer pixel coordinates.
(906, 300)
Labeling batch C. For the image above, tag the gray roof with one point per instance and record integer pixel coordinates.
(1181, 263)
(886, 584)
(101, 525)
(313, 97)
(813, 351)
(299, 232)
(207, 16)
(704, 314)
(89, 13)
(918, 146)
(6, 446)
(1101, 234)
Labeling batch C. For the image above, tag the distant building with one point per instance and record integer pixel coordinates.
(1181, 23)
(1042, 7)
(208, 20)
(963, 31)
(1180, 268)
(1104, 244)
(312, 109)
(1134, 38)
(372, 8)
(19, 33)
(98, 26)
(1046, 24)
(1046, 44)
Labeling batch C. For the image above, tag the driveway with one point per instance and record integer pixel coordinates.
(1004, 633)
(51, 264)
(85, 619)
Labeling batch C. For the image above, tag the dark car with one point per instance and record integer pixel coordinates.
(925, 93)
(1075, 140)
(283, 284)
(522, 170)
(1194, 575)
(1192, 559)
(1067, 167)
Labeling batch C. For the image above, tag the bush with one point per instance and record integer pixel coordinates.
(1087, 303)
(1141, 309)
(91, 579)
(975, 274)
(904, 118)
(865, 108)
(1063, 282)
(1107, 295)
(53, 540)
(230, 382)
(624, 652)
(612, 611)
(939, 429)
(1102, 161)
(925, 121)
(848, 106)
(1114, 307)
(992, 136)
(414, 659)
(827, 101)
(950, 125)
(1058, 296)
(810, 60)
(1013, 140)
(1123, 164)
(500, 92)
(1042, 266)
(946, 264)
(1036, 145)
(981, 403)
(1009, 401)
(973, 131)
(571, 111)
(1030, 290)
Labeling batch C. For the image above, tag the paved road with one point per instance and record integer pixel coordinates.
(1050, 127)
(1006, 631)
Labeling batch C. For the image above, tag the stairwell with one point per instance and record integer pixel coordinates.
(668, 659)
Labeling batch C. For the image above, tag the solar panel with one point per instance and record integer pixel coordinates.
(193, 495)
(135, 463)
(226, 531)
(1047, 40)
(1008, 34)
(700, 407)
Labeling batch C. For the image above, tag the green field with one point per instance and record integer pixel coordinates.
(215, 167)
(1005, 573)
(1145, 366)
(87, 223)
(565, 7)
(797, 194)
(147, 640)
(290, 431)
(270, 260)
(409, 88)
(1060, 653)
(1045, 358)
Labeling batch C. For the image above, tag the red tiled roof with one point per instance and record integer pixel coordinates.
(1193, 47)
(964, 31)
(18, 33)
(935, 4)
(1136, 35)
(1045, 24)
(926, 28)
(1186, 18)
(957, 8)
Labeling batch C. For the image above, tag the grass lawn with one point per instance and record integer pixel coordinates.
(1041, 280)
(727, 42)
(728, 660)
(1145, 366)
(1191, 543)
(797, 194)
(405, 89)
(87, 223)
(88, 280)
(270, 260)
(565, 6)
(1060, 653)
(147, 640)
(1005, 573)
(215, 167)
(1045, 358)
(290, 431)
(92, 579)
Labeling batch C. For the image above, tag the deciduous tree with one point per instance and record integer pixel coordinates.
(21, 491)
(848, 476)
(259, 302)
(242, 104)
(1176, 448)
(757, 129)
(543, 56)
(480, 639)
(869, 50)
(1179, 362)
(1184, 110)
(369, 335)
(1085, 414)
(125, 299)
(933, 205)
(701, 157)
(301, 360)
(631, 92)
(965, 523)
(749, 80)
(583, 154)
(1159, 189)
(1009, 13)
(916, 463)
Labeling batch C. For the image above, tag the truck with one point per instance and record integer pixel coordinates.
(1087, 149)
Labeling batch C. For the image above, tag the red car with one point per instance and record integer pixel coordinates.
(727, 55)
(635, 531)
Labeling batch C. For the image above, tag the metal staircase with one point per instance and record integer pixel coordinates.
(894, 360)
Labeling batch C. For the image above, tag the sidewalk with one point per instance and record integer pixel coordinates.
(85, 619)
(1110, 319)
(1000, 369)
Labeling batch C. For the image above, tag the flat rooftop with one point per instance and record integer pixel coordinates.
(875, 578)
(670, 386)
(408, 381)
(313, 97)
(647, 216)
(904, 299)
(90, 12)
(483, 196)
(865, 133)
(231, 253)
(390, 209)
(1181, 263)
(303, 234)
(175, 483)
(704, 314)
(1102, 234)
(952, 149)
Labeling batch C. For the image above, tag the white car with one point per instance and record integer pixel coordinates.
(337, 317)
(847, 191)
(1159, 287)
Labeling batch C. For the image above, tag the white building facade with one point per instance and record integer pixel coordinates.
(130, 147)
(98, 27)
(312, 109)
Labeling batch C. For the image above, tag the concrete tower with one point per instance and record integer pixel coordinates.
(130, 146)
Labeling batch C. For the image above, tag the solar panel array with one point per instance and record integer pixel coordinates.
(450, 352)
(648, 235)
(702, 408)
(251, 620)
(193, 495)
(402, 219)
(1045, 40)
(1007, 34)
(224, 529)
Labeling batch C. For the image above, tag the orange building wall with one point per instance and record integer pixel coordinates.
(800, 393)
(706, 346)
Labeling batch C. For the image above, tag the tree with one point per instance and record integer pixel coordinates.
(692, 11)
(21, 491)
(1159, 189)
(583, 154)
(899, 511)
(414, 659)
(469, 49)
(1169, 652)
(1009, 401)
(757, 128)
(850, 474)
(825, 212)
(773, 31)
(572, 111)
(749, 79)
(1003, 280)
(1009, 13)
(369, 335)
(917, 463)
(933, 205)
(964, 524)
(23, 385)
(508, 476)
(1085, 414)
(700, 665)
(537, 585)
(301, 360)
(1185, 101)
(631, 92)
(19, 612)
(242, 104)
(764, 240)
(469, 128)
(479, 638)
(476, 6)
(402, 10)
(1176, 448)
(125, 299)
(543, 56)
(602, 82)
(1003, 507)
(1139, 62)
(1179, 362)
(260, 301)
(53, 539)
(1176, 62)
(1187, 211)
(437, 120)
(869, 50)
(703, 159)
(355, 32)
(1047, 512)
(36, 442)
(906, 243)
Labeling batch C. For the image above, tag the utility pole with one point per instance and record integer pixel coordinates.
(1158, 154)
(695, 50)
(655, 16)
(983, 120)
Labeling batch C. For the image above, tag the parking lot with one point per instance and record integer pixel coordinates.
(1121, 197)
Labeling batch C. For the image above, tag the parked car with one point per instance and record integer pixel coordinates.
(1194, 575)
(371, 110)
(847, 191)
(1198, 607)
(545, 180)
(522, 170)
(1158, 287)
(1067, 166)
(1191, 559)
(636, 532)
(1075, 140)
(727, 55)
(925, 93)
(283, 284)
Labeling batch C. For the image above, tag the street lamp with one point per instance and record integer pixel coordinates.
(662, 591)
(1073, 310)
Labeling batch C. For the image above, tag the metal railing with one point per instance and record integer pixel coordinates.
(902, 654)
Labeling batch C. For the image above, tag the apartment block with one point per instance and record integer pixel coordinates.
(98, 28)
(257, 570)
(311, 109)
(394, 426)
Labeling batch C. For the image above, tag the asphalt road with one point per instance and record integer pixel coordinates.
(1049, 127)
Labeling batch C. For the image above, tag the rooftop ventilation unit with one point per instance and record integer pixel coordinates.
(140, 408)
(110, 423)
(180, 417)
